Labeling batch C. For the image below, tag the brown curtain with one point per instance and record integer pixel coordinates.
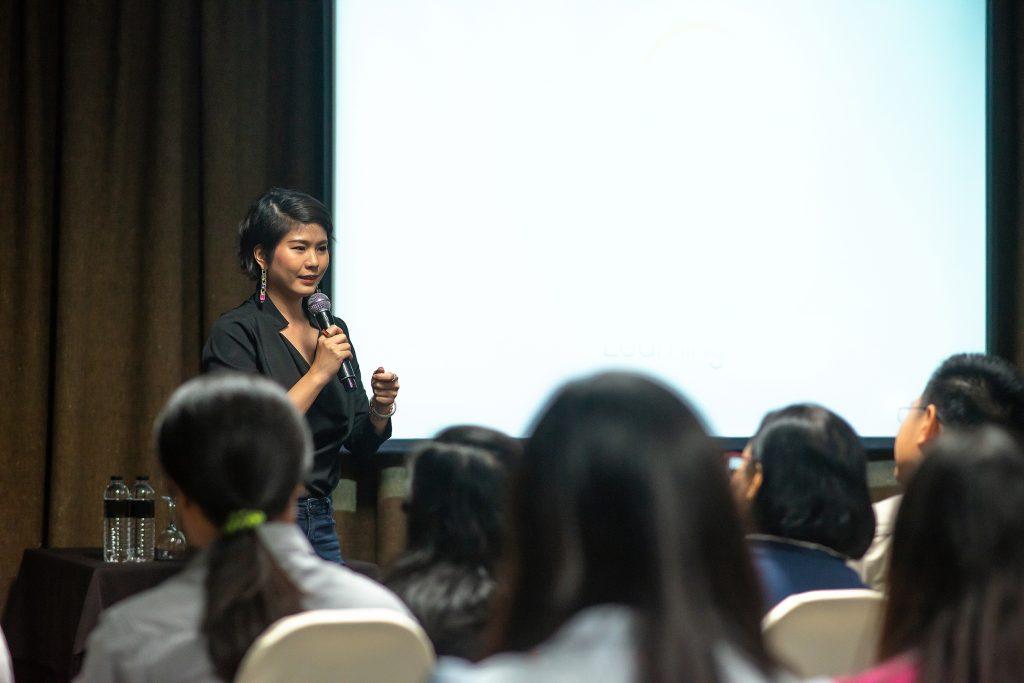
(134, 136)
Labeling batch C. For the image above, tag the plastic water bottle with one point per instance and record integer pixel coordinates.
(143, 520)
(117, 521)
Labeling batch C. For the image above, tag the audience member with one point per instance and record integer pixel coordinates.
(803, 487)
(507, 450)
(235, 451)
(955, 612)
(454, 522)
(625, 558)
(968, 389)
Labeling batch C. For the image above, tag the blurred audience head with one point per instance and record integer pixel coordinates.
(967, 390)
(622, 498)
(804, 478)
(507, 450)
(454, 528)
(956, 595)
(232, 441)
(454, 505)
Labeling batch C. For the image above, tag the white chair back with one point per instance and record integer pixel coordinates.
(365, 645)
(827, 632)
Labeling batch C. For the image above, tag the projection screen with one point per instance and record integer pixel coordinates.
(756, 202)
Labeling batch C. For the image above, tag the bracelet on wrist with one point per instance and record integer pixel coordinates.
(383, 416)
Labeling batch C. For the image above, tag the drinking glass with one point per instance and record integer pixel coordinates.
(171, 543)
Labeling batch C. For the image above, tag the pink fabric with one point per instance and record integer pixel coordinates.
(897, 670)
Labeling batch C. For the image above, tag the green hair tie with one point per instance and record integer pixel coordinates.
(240, 520)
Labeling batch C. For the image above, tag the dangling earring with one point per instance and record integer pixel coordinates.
(263, 285)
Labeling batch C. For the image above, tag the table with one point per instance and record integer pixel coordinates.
(56, 600)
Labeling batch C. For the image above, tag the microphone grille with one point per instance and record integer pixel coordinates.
(318, 302)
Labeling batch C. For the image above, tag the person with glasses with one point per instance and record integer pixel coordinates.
(967, 390)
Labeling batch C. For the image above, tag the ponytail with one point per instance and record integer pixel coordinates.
(236, 446)
(246, 591)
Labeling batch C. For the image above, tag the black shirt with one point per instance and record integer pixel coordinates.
(249, 339)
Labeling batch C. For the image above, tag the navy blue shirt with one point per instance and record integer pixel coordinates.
(788, 568)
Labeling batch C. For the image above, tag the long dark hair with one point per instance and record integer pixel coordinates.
(622, 498)
(271, 217)
(454, 507)
(233, 442)
(956, 587)
(815, 483)
(454, 522)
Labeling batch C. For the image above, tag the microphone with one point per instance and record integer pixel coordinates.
(319, 306)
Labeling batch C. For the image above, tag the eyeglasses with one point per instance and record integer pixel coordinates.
(902, 413)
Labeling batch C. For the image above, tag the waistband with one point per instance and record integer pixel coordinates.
(316, 503)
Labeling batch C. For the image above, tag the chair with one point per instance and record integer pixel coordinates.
(364, 644)
(826, 632)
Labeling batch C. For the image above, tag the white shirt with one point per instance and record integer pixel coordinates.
(597, 644)
(874, 566)
(155, 636)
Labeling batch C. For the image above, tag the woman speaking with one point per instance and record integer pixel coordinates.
(283, 245)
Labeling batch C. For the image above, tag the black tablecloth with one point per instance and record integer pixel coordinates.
(56, 600)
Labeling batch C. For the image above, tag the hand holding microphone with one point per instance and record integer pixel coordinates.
(333, 351)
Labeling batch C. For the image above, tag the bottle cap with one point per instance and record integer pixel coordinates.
(140, 477)
(115, 477)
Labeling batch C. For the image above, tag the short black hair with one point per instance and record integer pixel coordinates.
(273, 216)
(814, 485)
(971, 389)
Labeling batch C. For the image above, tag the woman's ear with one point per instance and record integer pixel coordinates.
(260, 255)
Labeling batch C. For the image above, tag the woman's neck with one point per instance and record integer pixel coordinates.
(290, 307)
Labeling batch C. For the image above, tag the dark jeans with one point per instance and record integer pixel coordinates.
(316, 519)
